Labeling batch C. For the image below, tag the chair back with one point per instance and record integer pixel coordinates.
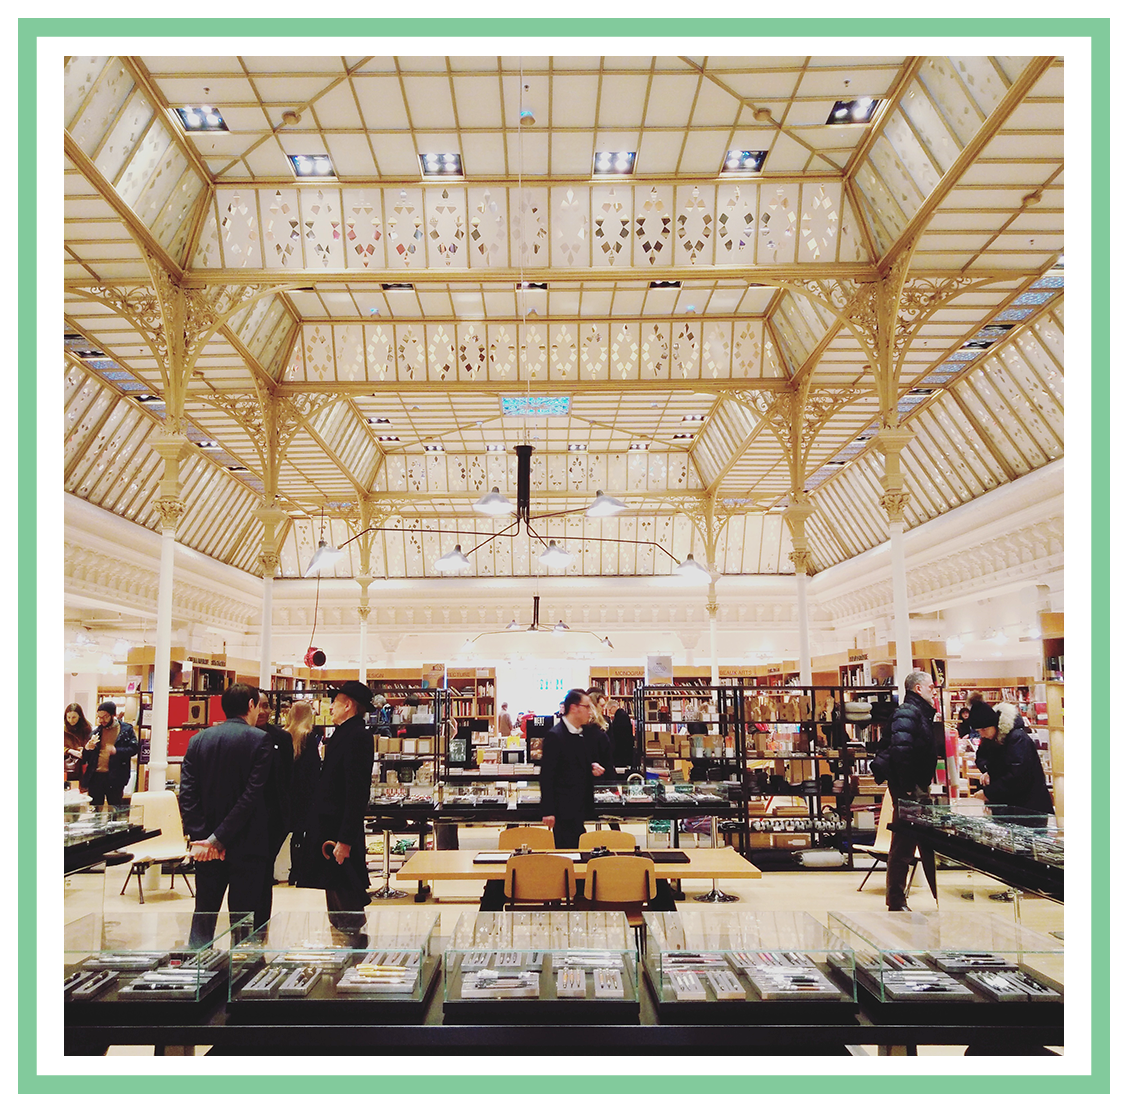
(538, 878)
(158, 810)
(620, 879)
(884, 834)
(610, 838)
(533, 836)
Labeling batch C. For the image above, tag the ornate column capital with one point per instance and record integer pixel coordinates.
(268, 561)
(894, 504)
(800, 556)
(170, 508)
(363, 612)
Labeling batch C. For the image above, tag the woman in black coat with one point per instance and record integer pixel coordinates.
(1014, 782)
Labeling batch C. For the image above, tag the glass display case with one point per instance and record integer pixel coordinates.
(145, 958)
(763, 959)
(83, 823)
(1037, 836)
(485, 795)
(300, 961)
(541, 958)
(952, 958)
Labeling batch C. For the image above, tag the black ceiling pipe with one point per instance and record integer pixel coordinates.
(523, 485)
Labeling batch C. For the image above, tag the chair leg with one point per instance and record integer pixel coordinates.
(911, 878)
(872, 868)
(126, 881)
(141, 893)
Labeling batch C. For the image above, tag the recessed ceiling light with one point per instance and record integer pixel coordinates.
(312, 166)
(388, 438)
(201, 118)
(743, 162)
(858, 111)
(433, 447)
(442, 166)
(693, 418)
(664, 284)
(683, 435)
(396, 286)
(238, 469)
(495, 447)
(208, 445)
(379, 421)
(577, 447)
(614, 162)
(529, 286)
(638, 445)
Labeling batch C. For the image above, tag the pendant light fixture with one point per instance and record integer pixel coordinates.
(693, 573)
(556, 557)
(606, 505)
(493, 504)
(453, 562)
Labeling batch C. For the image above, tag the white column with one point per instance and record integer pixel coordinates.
(363, 626)
(798, 511)
(163, 642)
(171, 444)
(892, 441)
(902, 631)
(713, 632)
(805, 671)
(265, 633)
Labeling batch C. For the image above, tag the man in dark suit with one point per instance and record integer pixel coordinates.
(333, 855)
(277, 792)
(569, 768)
(222, 806)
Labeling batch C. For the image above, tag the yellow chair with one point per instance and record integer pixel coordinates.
(622, 883)
(878, 850)
(538, 879)
(533, 836)
(158, 810)
(610, 838)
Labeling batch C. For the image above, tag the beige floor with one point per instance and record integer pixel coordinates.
(813, 890)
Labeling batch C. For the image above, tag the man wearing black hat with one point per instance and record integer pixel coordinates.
(333, 855)
(105, 767)
(1013, 780)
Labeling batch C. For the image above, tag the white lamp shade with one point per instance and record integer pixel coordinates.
(606, 505)
(452, 562)
(693, 573)
(493, 504)
(555, 557)
(323, 558)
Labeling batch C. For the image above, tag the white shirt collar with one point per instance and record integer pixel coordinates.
(570, 727)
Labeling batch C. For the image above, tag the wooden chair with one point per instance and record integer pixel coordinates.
(878, 850)
(533, 836)
(158, 810)
(610, 838)
(622, 883)
(538, 879)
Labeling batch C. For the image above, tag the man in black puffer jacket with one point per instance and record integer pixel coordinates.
(908, 763)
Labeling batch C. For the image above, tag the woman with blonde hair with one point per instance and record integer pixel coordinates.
(306, 738)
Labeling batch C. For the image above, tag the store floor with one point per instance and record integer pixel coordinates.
(814, 890)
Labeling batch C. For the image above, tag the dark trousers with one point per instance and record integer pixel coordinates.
(901, 857)
(568, 832)
(242, 878)
(345, 907)
(101, 790)
(264, 904)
